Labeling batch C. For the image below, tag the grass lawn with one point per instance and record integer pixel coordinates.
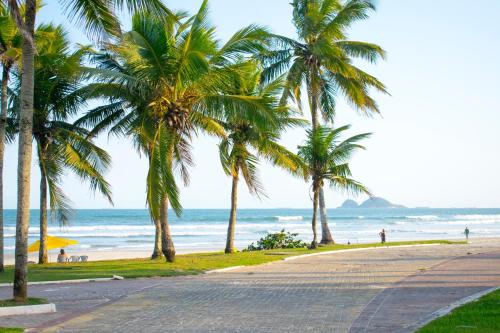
(11, 330)
(481, 316)
(185, 264)
(30, 301)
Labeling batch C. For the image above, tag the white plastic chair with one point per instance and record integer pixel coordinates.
(74, 259)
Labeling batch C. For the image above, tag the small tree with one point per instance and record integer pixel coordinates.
(327, 157)
(253, 134)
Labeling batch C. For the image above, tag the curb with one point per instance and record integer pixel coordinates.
(60, 281)
(223, 269)
(27, 310)
(447, 309)
(355, 250)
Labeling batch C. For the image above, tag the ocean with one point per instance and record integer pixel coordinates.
(196, 229)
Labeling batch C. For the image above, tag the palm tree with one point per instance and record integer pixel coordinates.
(98, 19)
(60, 144)
(165, 81)
(249, 138)
(10, 52)
(327, 158)
(321, 60)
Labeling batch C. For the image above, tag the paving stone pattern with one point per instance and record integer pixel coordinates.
(383, 290)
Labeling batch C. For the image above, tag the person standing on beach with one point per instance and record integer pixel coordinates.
(466, 232)
(382, 236)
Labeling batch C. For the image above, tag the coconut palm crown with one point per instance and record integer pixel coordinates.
(322, 58)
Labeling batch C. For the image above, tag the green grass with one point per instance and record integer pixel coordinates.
(11, 330)
(31, 301)
(185, 264)
(481, 316)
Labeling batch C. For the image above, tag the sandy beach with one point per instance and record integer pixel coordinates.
(96, 255)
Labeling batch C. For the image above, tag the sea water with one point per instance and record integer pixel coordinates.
(202, 229)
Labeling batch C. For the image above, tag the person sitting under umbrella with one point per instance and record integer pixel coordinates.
(62, 257)
(53, 242)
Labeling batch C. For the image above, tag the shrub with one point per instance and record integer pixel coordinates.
(278, 240)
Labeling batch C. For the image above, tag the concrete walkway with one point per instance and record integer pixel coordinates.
(387, 290)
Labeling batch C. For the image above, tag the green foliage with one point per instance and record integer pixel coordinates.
(11, 330)
(322, 58)
(166, 80)
(278, 240)
(99, 18)
(252, 134)
(327, 158)
(482, 315)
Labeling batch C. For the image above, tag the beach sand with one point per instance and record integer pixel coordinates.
(95, 255)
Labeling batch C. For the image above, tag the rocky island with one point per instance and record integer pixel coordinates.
(373, 202)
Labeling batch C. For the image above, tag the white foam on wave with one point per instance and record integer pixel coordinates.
(289, 218)
(124, 234)
(423, 217)
(480, 217)
(472, 222)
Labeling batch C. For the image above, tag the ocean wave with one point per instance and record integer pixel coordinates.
(138, 246)
(423, 217)
(125, 234)
(471, 222)
(481, 217)
(289, 218)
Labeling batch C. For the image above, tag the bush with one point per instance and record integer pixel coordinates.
(278, 240)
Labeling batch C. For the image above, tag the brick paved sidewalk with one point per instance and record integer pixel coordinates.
(328, 293)
(404, 306)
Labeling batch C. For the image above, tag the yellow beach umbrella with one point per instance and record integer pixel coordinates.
(52, 243)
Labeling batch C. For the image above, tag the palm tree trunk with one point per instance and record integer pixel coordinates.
(3, 124)
(157, 247)
(326, 235)
(232, 217)
(167, 245)
(24, 157)
(314, 243)
(158, 243)
(42, 252)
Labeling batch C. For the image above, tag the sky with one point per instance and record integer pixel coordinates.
(435, 144)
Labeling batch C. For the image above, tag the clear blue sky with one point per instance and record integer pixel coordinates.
(438, 140)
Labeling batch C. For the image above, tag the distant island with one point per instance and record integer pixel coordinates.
(373, 202)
